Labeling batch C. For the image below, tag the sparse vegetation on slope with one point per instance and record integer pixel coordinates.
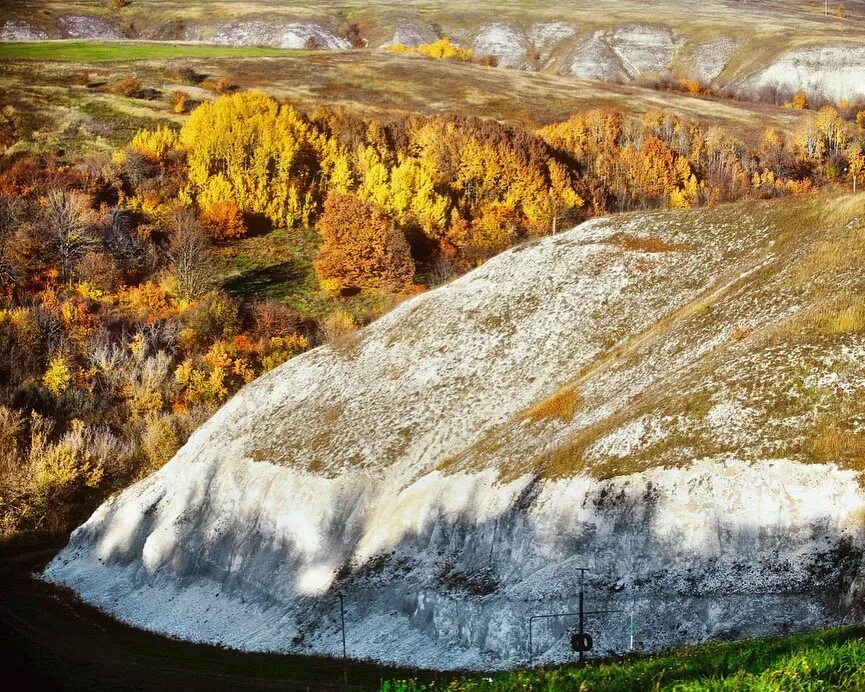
(805, 290)
(687, 418)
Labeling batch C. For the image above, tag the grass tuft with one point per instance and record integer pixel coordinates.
(849, 320)
(638, 243)
(831, 443)
(560, 406)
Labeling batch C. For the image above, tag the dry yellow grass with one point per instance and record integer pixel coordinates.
(627, 241)
(849, 320)
(560, 406)
(831, 443)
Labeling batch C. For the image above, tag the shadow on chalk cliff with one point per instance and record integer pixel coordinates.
(459, 592)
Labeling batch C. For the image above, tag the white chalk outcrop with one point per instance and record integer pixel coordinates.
(644, 49)
(548, 36)
(402, 469)
(505, 42)
(21, 31)
(89, 28)
(709, 59)
(832, 71)
(594, 58)
(411, 35)
(297, 35)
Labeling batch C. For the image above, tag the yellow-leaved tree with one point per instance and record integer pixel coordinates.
(250, 150)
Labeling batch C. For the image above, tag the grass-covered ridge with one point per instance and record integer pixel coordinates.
(788, 300)
(828, 660)
(92, 51)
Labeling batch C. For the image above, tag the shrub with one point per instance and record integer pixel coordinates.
(224, 220)
(442, 49)
(338, 325)
(67, 224)
(11, 429)
(189, 253)
(58, 375)
(800, 100)
(127, 86)
(213, 318)
(223, 86)
(272, 318)
(360, 246)
(279, 349)
(155, 144)
(693, 87)
(179, 100)
(445, 50)
(188, 75)
(78, 460)
(160, 440)
(119, 4)
(98, 271)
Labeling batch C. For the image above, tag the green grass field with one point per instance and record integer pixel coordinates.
(91, 51)
(828, 660)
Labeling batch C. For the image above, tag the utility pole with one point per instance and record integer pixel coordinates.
(341, 598)
(582, 629)
(581, 641)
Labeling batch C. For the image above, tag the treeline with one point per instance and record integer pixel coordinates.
(462, 189)
(116, 339)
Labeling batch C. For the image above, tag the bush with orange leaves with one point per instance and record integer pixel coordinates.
(179, 100)
(360, 247)
(224, 220)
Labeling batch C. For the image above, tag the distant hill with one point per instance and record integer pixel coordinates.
(752, 49)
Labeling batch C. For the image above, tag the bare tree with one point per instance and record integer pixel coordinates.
(189, 252)
(68, 220)
(11, 218)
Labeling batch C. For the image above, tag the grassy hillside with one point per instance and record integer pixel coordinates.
(749, 367)
(722, 44)
(766, 15)
(831, 660)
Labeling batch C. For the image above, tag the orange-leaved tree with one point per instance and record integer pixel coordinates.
(360, 247)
